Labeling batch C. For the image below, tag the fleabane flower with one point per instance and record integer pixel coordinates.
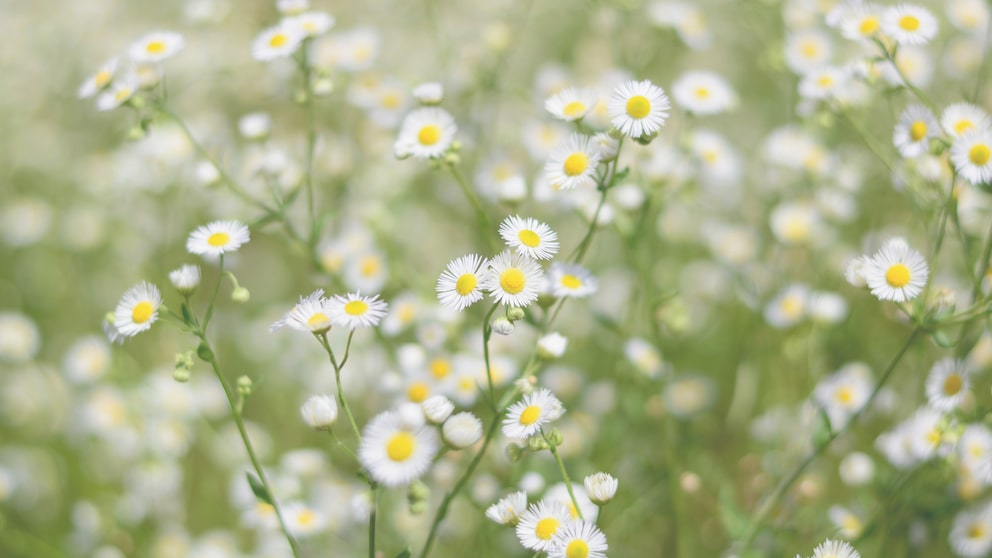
(514, 280)
(185, 279)
(396, 452)
(896, 272)
(137, 309)
(119, 92)
(312, 314)
(947, 384)
(971, 532)
(601, 487)
(578, 539)
(861, 22)
(972, 156)
(460, 284)
(507, 511)
(353, 310)
(703, 93)
(526, 417)
(961, 118)
(571, 280)
(909, 25)
(538, 525)
(99, 80)
(311, 24)
(570, 104)
(217, 238)
(529, 237)
(835, 549)
(156, 46)
(913, 131)
(638, 108)
(278, 41)
(426, 133)
(573, 164)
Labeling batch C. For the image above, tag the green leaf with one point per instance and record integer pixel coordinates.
(943, 339)
(619, 176)
(734, 520)
(258, 489)
(187, 316)
(204, 352)
(407, 553)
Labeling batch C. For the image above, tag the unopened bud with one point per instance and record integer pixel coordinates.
(515, 453)
(181, 375)
(240, 295)
(502, 326)
(555, 437)
(514, 314)
(244, 385)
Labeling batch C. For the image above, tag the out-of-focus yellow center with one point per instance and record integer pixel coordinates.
(574, 109)
(979, 154)
(546, 528)
(513, 280)
(318, 321)
(577, 549)
(218, 239)
(440, 368)
(155, 47)
(953, 384)
(570, 281)
(306, 517)
(845, 395)
(909, 23)
(102, 78)
(576, 164)
(142, 312)
(429, 135)
(401, 446)
(917, 130)
(638, 106)
(370, 265)
(868, 25)
(702, 93)
(530, 415)
(466, 284)
(278, 40)
(356, 308)
(963, 125)
(417, 392)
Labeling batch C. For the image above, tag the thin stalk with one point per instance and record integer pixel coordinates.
(311, 141)
(480, 213)
(213, 297)
(374, 487)
(337, 378)
(769, 504)
(487, 332)
(564, 474)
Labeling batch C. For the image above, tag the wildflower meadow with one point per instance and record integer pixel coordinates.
(514, 278)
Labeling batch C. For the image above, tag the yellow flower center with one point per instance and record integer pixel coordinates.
(155, 47)
(845, 395)
(466, 284)
(577, 549)
(306, 517)
(102, 78)
(979, 154)
(417, 392)
(319, 321)
(513, 280)
(953, 384)
(278, 40)
(791, 306)
(808, 49)
(796, 229)
(429, 135)
(390, 100)
(218, 239)
(909, 23)
(546, 528)
(530, 415)
(529, 238)
(575, 108)
(142, 312)
(570, 281)
(122, 94)
(370, 265)
(898, 275)
(702, 93)
(440, 368)
(917, 130)
(638, 106)
(976, 531)
(962, 126)
(825, 81)
(868, 25)
(401, 446)
(356, 308)
(576, 164)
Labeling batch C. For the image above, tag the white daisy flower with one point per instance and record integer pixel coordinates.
(970, 16)
(947, 384)
(312, 314)
(971, 532)
(99, 80)
(570, 104)
(429, 93)
(972, 156)
(571, 280)
(217, 238)
(529, 237)
(395, 452)
(909, 24)
(638, 108)
(526, 417)
(824, 82)
(789, 307)
(846, 521)
(426, 133)
(303, 520)
(185, 279)
(119, 92)
(600, 487)
(703, 93)
(353, 310)
(538, 525)
(507, 511)
(320, 412)
(461, 430)
(913, 131)
(137, 309)
(514, 280)
(290, 7)
(460, 284)
(311, 24)
(807, 50)
(86, 361)
(156, 46)
(896, 272)
(835, 549)
(843, 394)
(578, 539)
(961, 118)
(861, 22)
(278, 41)
(573, 164)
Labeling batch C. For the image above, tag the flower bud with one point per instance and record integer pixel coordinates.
(181, 375)
(600, 487)
(245, 386)
(515, 314)
(320, 412)
(240, 295)
(552, 346)
(462, 430)
(185, 279)
(502, 326)
(437, 409)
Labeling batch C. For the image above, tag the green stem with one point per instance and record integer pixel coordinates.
(259, 472)
(374, 488)
(213, 297)
(770, 502)
(341, 445)
(311, 142)
(487, 332)
(891, 57)
(480, 213)
(337, 378)
(564, 474)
